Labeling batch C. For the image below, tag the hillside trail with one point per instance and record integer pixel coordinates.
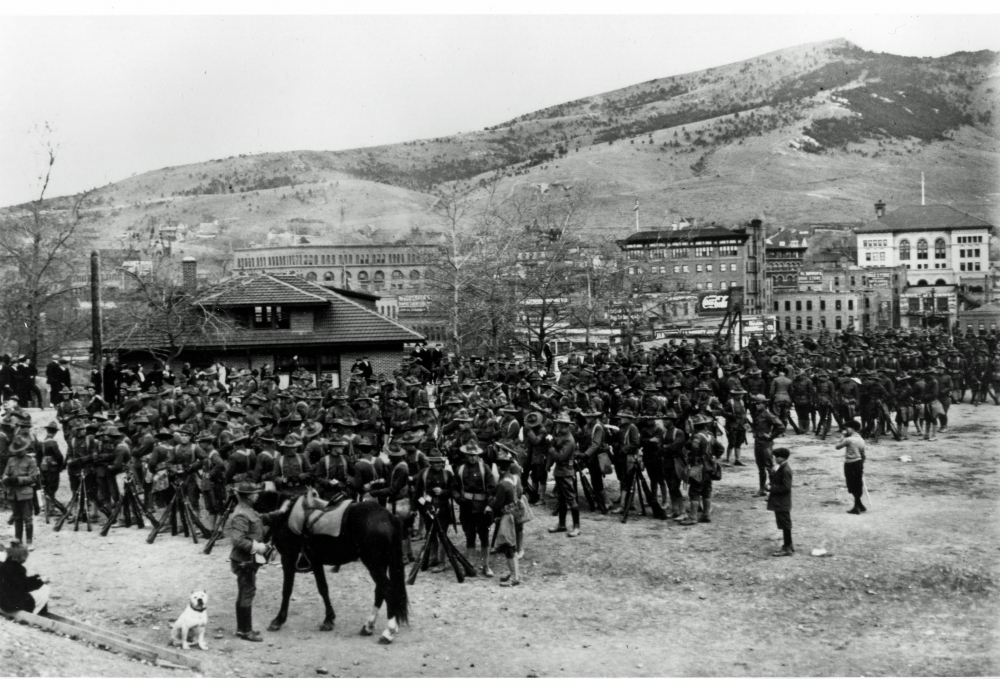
(909, 588)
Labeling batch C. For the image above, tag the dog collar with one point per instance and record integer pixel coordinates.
(198, 610)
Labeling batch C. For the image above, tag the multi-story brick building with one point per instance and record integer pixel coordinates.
(694, 259)
(785, 253)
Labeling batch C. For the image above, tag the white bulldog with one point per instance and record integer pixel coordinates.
(190, 627)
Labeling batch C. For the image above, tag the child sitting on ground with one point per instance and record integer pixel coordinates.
(18, 591)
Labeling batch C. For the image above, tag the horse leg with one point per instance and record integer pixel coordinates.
(324, 592)
(288, 568)
(369, 627)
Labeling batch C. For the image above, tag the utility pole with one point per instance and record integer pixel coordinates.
(95, 308)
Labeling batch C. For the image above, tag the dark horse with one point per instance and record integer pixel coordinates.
(369, 532)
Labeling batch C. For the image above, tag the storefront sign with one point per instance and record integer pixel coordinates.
(713, 303)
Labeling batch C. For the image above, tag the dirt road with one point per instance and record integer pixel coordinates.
(910, 588)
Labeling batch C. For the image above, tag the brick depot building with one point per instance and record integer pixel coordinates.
(278, 317)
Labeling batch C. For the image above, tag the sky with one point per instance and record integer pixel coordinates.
(121, 95)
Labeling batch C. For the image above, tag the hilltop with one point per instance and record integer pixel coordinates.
(813, 133)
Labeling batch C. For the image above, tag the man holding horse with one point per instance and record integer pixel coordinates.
(246, 529)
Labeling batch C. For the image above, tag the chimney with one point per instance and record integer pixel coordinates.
(879, 209)
(189, 273)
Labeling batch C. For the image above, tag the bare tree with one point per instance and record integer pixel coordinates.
(40, 250)
(158, 315)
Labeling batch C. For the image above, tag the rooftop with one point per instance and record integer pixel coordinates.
(923, 218)
(338, 320)
(680, 235)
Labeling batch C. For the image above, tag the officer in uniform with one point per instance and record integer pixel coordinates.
(246, 529)
(766, 427)
(474, 485)
(562, 453)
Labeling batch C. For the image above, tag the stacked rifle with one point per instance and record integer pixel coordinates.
(180, 513)
(436, 533)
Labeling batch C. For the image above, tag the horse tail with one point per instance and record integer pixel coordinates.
(396, 601)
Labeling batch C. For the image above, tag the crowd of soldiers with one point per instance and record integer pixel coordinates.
(670, 417)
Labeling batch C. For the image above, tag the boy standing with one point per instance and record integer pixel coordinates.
(779, 500)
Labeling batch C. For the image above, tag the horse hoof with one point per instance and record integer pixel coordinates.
(365, 632)
(326, 626)
(384, 640)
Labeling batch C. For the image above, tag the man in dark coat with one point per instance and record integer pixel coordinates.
(779, 500)
(111, 377)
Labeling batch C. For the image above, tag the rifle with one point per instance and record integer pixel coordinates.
(594, 501)
(220, 525)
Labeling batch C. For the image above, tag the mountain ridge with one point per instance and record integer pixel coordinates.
(723, 143)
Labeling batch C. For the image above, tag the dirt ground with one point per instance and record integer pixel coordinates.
(910, 588)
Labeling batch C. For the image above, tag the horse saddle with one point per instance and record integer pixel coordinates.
(312, 516)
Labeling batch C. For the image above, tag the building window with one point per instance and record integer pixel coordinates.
(822, 321)
(270, 317)
(809, 322)
(776, 306)
(822, 305)
(798, 322)
(708, 268)
(836, 281)
(939, 249)
(704, 251)
(838, 324)
(798, 305)
(697, 268)
(700, 286)
(728, 250)
(677, 268)
(631, 271)
(852, 281)
(921, 249)
(328, 276)
(850, 321)
(680, 253)
(788, 322)
(837, 305)
(904, 249)
(414, 275)
(809, 305)
(942, 303)
(687, 269)
(850, 305)
(723, 285)
(788, 305)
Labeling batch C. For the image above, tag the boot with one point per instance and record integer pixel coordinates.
(576, 523)
(561, 528)
(736, 462)
(856, 509)
(706, 514)
(944, 424)
(487, 571)
(929, 429)
(692, 515)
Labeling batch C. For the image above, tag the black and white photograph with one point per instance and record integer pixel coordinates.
(499, 340)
